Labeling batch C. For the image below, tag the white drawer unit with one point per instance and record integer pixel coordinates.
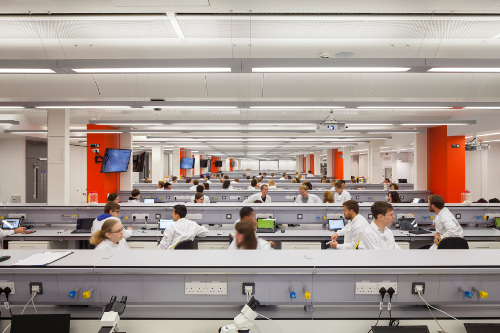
(36, 245)
(404, 245)
(484, 245)
(301, 245)
(213, 245)
(143, 245)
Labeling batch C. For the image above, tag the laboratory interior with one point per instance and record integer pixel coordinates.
(263, 166)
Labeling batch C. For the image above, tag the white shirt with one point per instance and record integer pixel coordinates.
(375, 239)
(181, 230)
(252, 188)
(5, 233)
(234, 182)
(206, 200)
(257, 196)
(97, 225)
(447, 226)
(193, 188)
(352, 232)
(208, 181)
(282, 178)
(341, 198)
(313, 198)
(272, 187)
(109, 245)
(261, 245)
(309, 175)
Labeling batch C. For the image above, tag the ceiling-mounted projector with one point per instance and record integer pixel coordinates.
(475, 145)
(331, 127)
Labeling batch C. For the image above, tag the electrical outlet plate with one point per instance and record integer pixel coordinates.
(205, 288)
(334, 216)
(372, 288)
(5, 284)
(248, 284)
(16, 215)
(414, 284)
(264, 216)
(140, 216)
(194, 216)
(402, 216)
(34, 285)
(158, 216)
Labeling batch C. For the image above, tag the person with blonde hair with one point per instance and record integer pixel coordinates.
(110, 236)
(272, 184)
(283, 176)
(294, 181)
(306, 197)
(299, 176)
(328, 197)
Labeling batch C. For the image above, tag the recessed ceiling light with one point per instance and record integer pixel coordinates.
(369, 124)
(435, 124)
(466, 69)
(483, 107)
(11, 107)
(155, 70)
(328, 69)
(26, 71)
(405, 107)
(84, 107)
(297, 107)
(191, 107)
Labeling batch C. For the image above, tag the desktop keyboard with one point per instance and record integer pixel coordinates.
(80, 231)
(272, 231)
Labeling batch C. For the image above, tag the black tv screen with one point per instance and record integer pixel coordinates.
(203, 163)
(115, 160)
(218, 164)
(233, 163)
(187, 163)
(139, 162)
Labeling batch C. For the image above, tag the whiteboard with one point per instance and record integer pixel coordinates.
(269, 165)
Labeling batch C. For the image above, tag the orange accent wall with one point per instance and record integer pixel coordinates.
(338, 164)
(212, 160)
(102, 183)
(445, 165)
(182, 171)
(311, 162)
(304, 163)
(193, 172)
(230, 167)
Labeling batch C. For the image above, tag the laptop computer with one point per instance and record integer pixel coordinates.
(497, 222)
(410, 225)
(482, 328)
(149, 200)
(164, 224)
(12, 223)
(266, 225)
(53, 323)
(418, 200)
(83, 226)
(400, 329)
(335, 224)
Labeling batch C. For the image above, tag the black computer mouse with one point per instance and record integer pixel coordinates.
(282, 230)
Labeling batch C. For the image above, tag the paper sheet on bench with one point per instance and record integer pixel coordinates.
(44, 258)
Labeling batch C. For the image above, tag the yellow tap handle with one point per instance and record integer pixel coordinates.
(483, 294)
(307, 295)
(86, 294)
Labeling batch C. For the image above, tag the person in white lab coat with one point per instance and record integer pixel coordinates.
(446, 224)
(111, 210)
(200, 189)
(253, 185)
(378, 236)
(182, 229)
(135, 196)
(283, 176)
(309, 174)
(340, 195)
(110, 236)
(207, 179)
(227, 185)
(5, 233)
(235, 181)
(161, 183)
(353, 230)
(195, 184)
(272, 184)
(262, 196)
(245, 238)
(306, 197)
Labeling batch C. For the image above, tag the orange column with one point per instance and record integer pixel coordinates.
(305, 163)
(311, 162)
(338, 164)
(101, 183)
(445, 165)
(212, 161)
(230, 166)
(183, 171)
(193, 173)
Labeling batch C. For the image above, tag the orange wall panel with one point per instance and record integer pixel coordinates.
(311, 163)
(230, 167)
(456, 169)
(183, 171)
(338, 164)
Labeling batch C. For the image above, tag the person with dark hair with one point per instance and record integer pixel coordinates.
(445, 222)
(110, 236)
(167, 186)
(253, 185)
(111, 210)
(206, 186)
(199, 198)
(207, 179)
(393, 187)
(174, 179)
(201, 189)
(387, 180)
(263, 195)
(247, 177)
(309, 174)
(113, 197)
(378, 236)
(188, 181)
(161, 183)
(393, 197)
(195, 183)
(308, 184)
(283, 176)
(235, 181)
(264, 175)
(341, 195)
(353, 230)
(481, 200)
(135, 195)
(227, 185)
(494, 200)
(343, 183)
(226, 177)
(353, 180)
(245, 238)
(182, 229)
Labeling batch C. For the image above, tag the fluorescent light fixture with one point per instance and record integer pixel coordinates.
(11, 107)
(280, 124)
(155, 70)
(127, 124)
(482, 107)
(26, 71)
(405, 107)
(206, 125)
(328, 69)
(466, 69)
(83, 107)
(297, 107)
(369, 124)
(195, 151)
(191, 107)
(490, 141)
(99, 132)
(435, 124)
(27, 132)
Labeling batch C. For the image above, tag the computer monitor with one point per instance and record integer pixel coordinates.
(335, 224)
(266, 223)
(482, 328)
(407, 224)
(84, 224)
(53, 323)
(203, 163)
(164, 224)
(115, 160)
(14, 223)
(187, 163)
(400, 329)
(497, 222)
(149, 200)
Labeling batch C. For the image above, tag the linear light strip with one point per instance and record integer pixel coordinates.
(26, 71)
(328, 69)
(466, 69)
(155, 70)
(84, 107)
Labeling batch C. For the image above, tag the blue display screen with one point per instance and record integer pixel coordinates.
(115, 160)
(187, 163)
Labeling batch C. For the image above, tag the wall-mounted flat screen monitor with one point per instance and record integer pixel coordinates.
(115, 160)
(218, 164)
(139, 162)
(187, 163)
(233, 163)
(203, 163)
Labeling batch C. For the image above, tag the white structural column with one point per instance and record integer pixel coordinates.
(197, 169)
(166, 164)
(298, 162)
(189, 172)
(329, 163)
(238, 165)
(58, 156)
(420, 161)
(176, 162)
(308, 162)
(317, 163)
(374, 165)
(126, 142)
(346, 157)
(157, 167)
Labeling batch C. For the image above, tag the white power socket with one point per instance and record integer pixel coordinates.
(334, 216)
(17, 215)
(264, 216)
(193, 216)
(5, 284)
(408, 216)
(140, 216)
(372, 288)
(205, 288)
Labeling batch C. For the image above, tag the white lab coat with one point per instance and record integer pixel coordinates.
(313, 198)
(207, 199)
(208, 181)
(109, 245)
(352, 232)
(257, 196)
(193, 188)
(252, 188)
(233, 182)
(97, 225)
(261, 245)
(375, 239)
(4, 233)
(309, 175)
(447, 226)
(282, 178)
(341, 198)
(181, 230)
(272, 187)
